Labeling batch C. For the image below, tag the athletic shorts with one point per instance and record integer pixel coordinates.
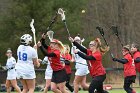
(59, 76)
(129, 79)
(11, 74)
(81, 71)
(48, 73)
(25, 74)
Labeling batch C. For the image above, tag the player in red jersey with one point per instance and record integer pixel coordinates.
(136, 56)
(67, 58)
(129, 69)
(59, 74)
(94, 56)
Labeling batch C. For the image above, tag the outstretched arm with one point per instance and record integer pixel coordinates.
(85, 56)
(78, 45)
(81, 48)
(123, 60)
(46, 52)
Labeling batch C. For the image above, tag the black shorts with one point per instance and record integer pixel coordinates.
(130, 79)
(59, 76)
(100, 78)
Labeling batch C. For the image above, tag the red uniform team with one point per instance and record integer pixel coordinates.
(60, 60)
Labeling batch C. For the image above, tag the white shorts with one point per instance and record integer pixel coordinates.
(48, 73)
(25, 74)
(11, 74)
(82, 71)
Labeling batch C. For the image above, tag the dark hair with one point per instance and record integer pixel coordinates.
(136, 46)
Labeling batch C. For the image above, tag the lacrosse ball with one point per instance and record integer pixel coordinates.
(83, 11)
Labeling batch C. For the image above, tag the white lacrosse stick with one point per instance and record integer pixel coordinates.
(61, 12)
(33, 30)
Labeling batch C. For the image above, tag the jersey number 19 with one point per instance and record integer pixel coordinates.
(22, 56)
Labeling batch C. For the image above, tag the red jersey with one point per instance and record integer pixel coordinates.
(129, 67)
(136, 55)
(67, 67)
(95, 66)
(55, 63)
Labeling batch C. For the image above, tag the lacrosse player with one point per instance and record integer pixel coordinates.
(136, 56)
(129, 69)
(11, 73)
(27, 58)
(48, 74)
(54, 52)
(94, 55)
(81, 70)
(67, 58)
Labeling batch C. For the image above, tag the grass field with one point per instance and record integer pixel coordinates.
(111, 91)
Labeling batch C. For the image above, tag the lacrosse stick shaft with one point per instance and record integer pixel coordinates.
(66, 27)
(52, 22)
(106, 43)
(120, 40)
(115, 30)
(34, 38)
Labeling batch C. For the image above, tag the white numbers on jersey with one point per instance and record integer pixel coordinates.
(22, 56)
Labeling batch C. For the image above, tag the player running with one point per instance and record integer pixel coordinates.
(48, 74)
(67, 58)
(94, 56)
(136, 56)
(81, 69)
(54, 52)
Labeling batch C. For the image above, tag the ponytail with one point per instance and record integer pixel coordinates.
(102, 49)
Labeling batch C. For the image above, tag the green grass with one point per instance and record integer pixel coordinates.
(111, 91)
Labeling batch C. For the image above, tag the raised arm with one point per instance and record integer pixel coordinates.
(80, 47)
(46, 52)
(43, 43)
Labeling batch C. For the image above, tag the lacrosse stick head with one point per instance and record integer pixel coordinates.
(50, 35)
(100, 30)
(115, 30)
(32, 26)
(61, 12)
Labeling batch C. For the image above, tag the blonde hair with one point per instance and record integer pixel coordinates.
(67, 48)
(102, 49)
(61, 47)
